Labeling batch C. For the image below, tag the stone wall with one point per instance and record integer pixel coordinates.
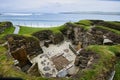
(43, 35)
(20, 47)
(31, 44)
(76, 33)
(20, 54)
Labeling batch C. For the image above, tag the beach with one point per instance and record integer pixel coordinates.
(52, 19)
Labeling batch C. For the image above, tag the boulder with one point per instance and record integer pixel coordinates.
(107, 41)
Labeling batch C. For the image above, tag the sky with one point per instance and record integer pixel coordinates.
(59, 5)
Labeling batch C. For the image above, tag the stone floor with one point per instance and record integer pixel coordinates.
(45, 64)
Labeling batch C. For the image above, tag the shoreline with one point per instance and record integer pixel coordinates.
(39, 26)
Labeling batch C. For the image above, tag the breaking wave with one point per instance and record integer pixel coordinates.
(17, 14)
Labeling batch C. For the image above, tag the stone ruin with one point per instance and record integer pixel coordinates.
(24, 49)
(90, 37)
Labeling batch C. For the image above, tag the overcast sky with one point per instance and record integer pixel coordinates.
(59, 5)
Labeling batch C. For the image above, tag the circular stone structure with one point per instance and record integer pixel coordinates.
(46, 68)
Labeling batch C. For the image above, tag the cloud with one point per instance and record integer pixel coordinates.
(85, 5)
(59, 5)
(110, 0)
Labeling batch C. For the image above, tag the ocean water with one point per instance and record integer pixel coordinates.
(50, 19)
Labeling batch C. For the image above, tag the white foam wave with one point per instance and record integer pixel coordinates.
(17, 14)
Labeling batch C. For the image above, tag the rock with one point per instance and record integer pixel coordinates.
(90, 61)
(46, 43)
(73, 31)
(33, 70)
(113, 37)
(107, 41)
(49, 35)
(79, 46)
(56, 38)
(43, 35)
(26, 67)
(77, 61)
(99, 32)
(82, 66)
(85, 59)
(48, 75)
(46, 68)
(4, 25)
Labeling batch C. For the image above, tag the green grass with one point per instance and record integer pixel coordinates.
(107, 53)
(7, 69)
(117, 69)
(115, 23)
(2, 51)
(85, 22)
(31, 30)
(110, 29)
(4, 23)
(9, 30)
(86, 27)
(116, 50)
(102, 66)
(28, 30)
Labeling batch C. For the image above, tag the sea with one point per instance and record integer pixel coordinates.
(52, 19)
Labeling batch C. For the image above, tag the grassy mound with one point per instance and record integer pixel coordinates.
(101, 68)
(5, 28)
